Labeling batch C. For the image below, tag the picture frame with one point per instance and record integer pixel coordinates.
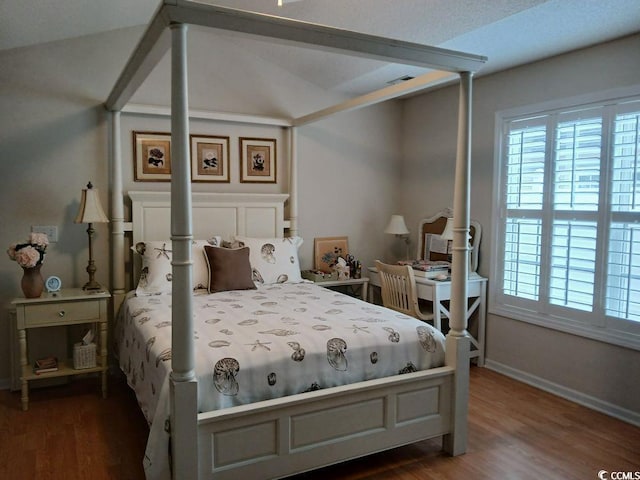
(435, 247)
(258, 160)
(209, 158)
(327, 250)
(152, 155)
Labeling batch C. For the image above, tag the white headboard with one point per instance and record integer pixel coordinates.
(223, 214)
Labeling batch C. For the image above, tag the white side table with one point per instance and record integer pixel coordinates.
(66, 307)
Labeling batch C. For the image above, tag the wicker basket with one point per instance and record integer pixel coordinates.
(84, 356)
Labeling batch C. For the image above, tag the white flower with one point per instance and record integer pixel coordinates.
(39, 239)
(31, 253)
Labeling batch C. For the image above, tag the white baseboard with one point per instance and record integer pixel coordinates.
(594, 403)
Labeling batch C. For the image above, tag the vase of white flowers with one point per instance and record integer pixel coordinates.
(30, 256)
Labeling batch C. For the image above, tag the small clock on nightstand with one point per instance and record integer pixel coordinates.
(53, 284)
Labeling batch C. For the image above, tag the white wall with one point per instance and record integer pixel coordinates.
(54, 138)
(597, 373)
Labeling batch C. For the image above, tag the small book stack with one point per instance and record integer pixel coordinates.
(46, 364)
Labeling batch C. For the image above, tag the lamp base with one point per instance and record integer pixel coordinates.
(92, 286)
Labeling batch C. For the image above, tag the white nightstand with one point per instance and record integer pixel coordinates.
(66, 307)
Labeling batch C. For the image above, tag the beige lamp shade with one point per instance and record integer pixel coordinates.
(447, 233)
(397, 226)
(90, 208)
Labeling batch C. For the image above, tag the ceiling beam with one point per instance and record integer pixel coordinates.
(155, 42)
(428, 80)
(156, 110)
(322, 37)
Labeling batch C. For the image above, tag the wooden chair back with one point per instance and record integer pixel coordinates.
(398, 289)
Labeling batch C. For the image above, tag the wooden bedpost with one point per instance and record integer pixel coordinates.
(457, 346)
(184, 386)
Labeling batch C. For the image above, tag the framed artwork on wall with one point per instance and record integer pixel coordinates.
(327, 250)
(152, 154)
(257, 160)
(209, 158)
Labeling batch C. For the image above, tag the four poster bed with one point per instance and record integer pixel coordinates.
(270, 435)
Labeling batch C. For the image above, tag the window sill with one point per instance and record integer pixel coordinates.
(615, 337)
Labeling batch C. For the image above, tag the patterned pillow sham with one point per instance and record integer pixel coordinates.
(274, 260)
(156, 274)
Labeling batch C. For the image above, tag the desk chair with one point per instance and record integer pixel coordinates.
(398, 288)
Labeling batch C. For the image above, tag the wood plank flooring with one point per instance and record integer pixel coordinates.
(515, 432)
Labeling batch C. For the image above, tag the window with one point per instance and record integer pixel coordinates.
(568, 219)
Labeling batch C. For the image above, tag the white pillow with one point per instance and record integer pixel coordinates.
(156, 274)
(274, 260)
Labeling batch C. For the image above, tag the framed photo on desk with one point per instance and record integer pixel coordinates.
(435, 244)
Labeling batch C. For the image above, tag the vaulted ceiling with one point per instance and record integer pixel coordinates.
(508, 32)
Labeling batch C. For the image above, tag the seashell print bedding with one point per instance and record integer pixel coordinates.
(275, 341)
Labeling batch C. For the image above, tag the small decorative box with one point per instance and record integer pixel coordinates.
(319, 276)
(84, 356)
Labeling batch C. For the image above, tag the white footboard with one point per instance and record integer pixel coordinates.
(276, 438)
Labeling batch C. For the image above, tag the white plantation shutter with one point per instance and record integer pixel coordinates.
(523, 200)
(522, 258)
(525, 165)
(573, 264)
(569, 220)
(623, 274)
(577, 164)
(576, 186)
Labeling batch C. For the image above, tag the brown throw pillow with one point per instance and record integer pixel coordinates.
(229, 269)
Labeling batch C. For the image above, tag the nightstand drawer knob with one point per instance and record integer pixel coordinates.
(61, 313)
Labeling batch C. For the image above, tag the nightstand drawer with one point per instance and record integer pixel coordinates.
(61, 313)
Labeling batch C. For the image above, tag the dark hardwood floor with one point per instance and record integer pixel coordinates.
(515, 432)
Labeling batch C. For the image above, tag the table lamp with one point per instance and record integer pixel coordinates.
(91, 212)
(398, 227)
(447, 234)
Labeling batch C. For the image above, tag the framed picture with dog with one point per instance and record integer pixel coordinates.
(152, 153)
(257, 160)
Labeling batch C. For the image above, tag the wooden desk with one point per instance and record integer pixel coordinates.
(437, 292)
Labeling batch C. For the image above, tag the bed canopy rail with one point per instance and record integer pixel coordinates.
(167, 30)
(155, 43)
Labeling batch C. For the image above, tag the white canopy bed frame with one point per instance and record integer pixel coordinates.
(281, 437)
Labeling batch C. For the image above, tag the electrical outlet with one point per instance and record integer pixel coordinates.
(50, 230)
